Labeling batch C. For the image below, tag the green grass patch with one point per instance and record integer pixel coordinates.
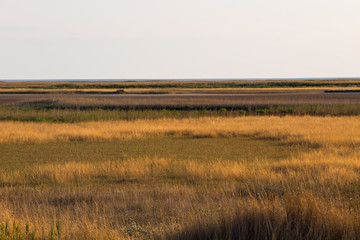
(17, 156)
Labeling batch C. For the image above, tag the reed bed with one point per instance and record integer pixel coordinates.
(291, 129)
(310, 195)
(336, 168)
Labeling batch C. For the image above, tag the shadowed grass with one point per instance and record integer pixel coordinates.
(293, 217)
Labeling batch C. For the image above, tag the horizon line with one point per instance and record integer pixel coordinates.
(170, 79)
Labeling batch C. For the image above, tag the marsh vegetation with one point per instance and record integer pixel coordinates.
(197, 178)
(95, 168)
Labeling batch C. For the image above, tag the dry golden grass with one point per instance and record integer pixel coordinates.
(313, 130)
(337, 166)
(313, 195)
(153, 202)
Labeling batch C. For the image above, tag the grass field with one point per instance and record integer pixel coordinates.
(111, 101)
(178, 100)
(195, 178)
(160, 84)
(105, 107)
(17, 156)
(281, 160)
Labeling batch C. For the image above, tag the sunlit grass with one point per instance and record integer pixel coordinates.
(17, 156)
(290, 129)
(201, 178)
(151, 198)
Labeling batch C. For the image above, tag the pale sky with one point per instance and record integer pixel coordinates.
(122, 39)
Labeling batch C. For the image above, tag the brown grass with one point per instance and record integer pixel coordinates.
(181, 101)
(309, 197)
(313, 195)
(314, 130)
(335, 168)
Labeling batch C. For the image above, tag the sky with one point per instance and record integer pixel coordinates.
(162, 39)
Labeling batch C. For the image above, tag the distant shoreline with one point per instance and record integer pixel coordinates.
(173, 79)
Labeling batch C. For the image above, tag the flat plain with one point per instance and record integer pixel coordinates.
(181, 100)
(274, 165)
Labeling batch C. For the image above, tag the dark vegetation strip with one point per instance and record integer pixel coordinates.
(107, 113)
(341, 91)
(187, 84)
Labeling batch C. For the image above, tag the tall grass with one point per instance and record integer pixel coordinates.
(292, 217)
(337, 167)
(290, 129)
(311, 195)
